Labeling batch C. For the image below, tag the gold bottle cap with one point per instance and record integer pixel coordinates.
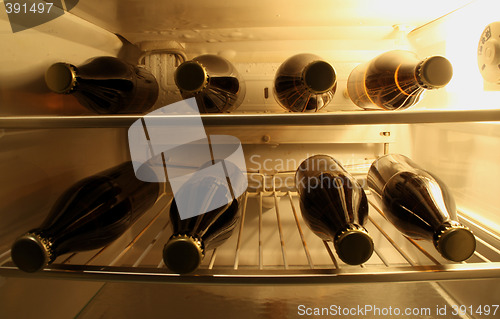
(434, 72)
(183, 254)
(319, 77)
(61, 77)
(31, 252)
(353, 245)
(191, 77)
(456, 243)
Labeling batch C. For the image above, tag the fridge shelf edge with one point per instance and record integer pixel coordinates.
(308, 119)
(267, 277)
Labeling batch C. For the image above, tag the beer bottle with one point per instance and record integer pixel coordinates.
(396, 80)
(90, 214)
(334, 206)
(420, 205)
(105, 85)
(210, 217)
(305, 82)
(213, 81)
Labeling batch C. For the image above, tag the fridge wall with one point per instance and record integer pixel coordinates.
(464, 155)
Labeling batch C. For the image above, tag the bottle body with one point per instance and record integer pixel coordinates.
(420, 205)
(304, 82)
(90, 214)
(335, 207)
(396, 80)
(213, 81)
(193, 236)
(105, 85)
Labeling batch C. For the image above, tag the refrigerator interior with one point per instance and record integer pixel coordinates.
(273, 263)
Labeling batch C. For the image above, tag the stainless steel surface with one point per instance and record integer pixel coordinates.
(234, 119)
(46, 298)
(132, 300)
(273, 246)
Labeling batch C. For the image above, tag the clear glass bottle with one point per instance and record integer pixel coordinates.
(105, 85)
(305, 82)
(420, 205)
(213, 81)
(335, 207)
(396, 80)
(90, 214)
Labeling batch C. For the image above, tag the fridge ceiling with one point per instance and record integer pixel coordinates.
(180, 20)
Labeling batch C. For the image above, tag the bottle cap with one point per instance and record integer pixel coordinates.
(353, 245)
(319, 76)
(191, 76)
(31, 252)
(435, 72)
(456, 243)
(61, 77)
(183, 254)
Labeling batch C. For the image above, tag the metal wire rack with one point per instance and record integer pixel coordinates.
(272, 245)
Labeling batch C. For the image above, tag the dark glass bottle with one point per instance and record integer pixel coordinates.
(105, 85)
(213, 81)
(90, 214)
(305, 82)
(420, 205)
(193, 236)
(335, 207)
(396, 80)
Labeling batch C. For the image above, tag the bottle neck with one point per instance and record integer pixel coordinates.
(319, 77)
(32, 252)
(433, 72)
(430, 199)
(61, 78)
(191, 77)
(183, 253)
(454, 241)
(353, 244)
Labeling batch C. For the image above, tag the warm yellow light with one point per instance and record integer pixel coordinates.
(463, 30)
(405, 12)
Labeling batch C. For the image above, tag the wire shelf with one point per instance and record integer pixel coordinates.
(271, 245)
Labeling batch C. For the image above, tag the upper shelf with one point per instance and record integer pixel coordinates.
(283, 119)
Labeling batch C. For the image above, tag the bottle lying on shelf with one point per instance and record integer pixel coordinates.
(335, 207)
(213, 81)
(210, 200)
(305, 82)
(396, 80)
(90, 214)
(420, 205)
(105, 85)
